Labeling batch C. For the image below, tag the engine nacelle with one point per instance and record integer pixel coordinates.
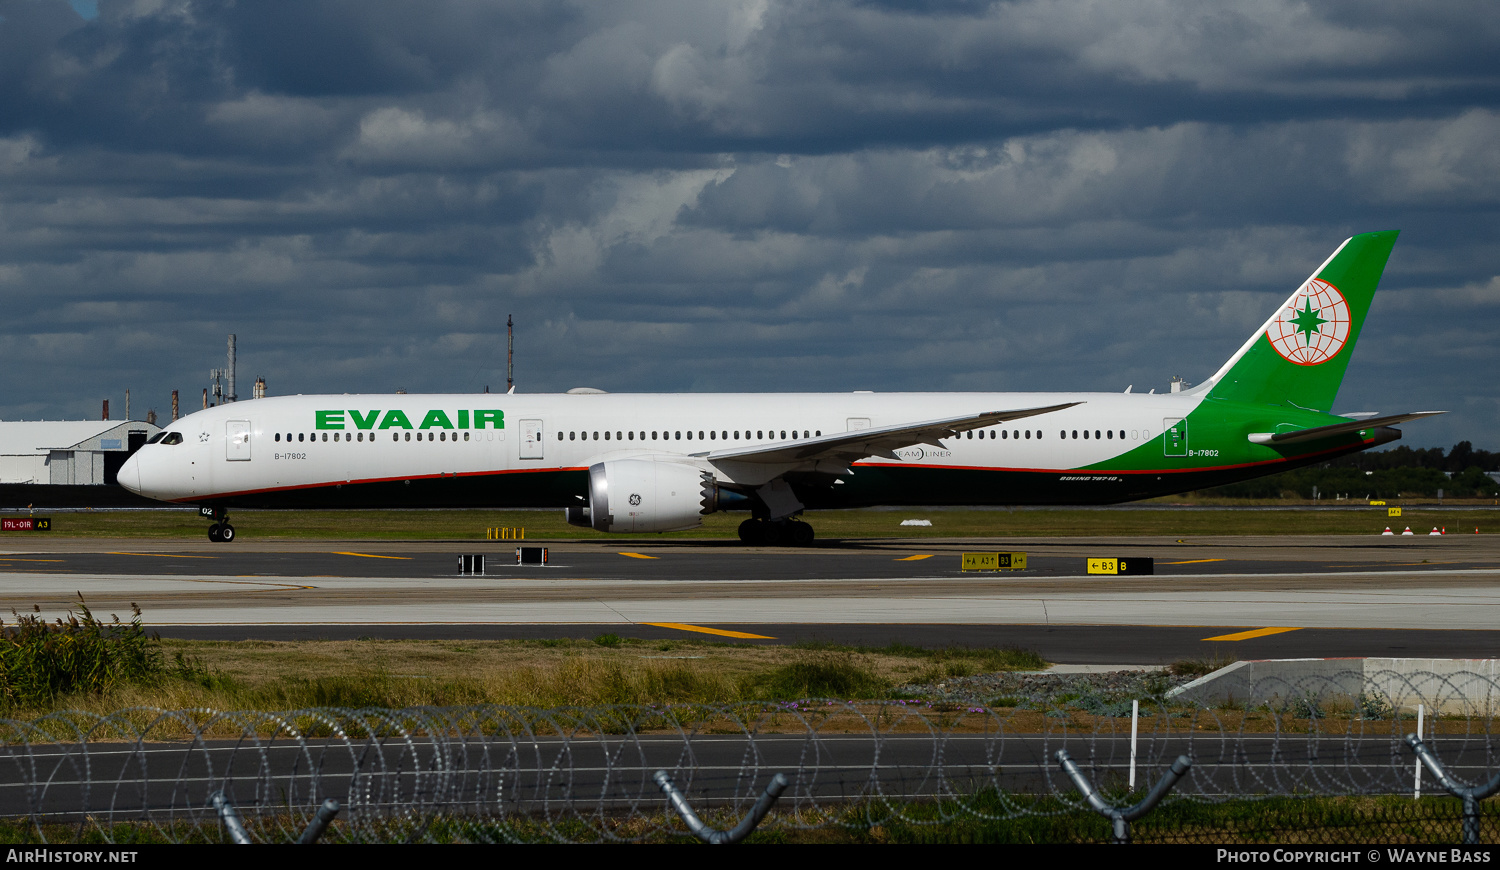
(645, 495)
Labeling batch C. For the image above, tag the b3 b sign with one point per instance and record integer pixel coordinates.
(994, 562)
(26, 524)
(1132, 565)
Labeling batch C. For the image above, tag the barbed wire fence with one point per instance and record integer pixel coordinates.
(1320, 759)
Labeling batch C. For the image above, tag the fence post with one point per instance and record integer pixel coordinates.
(707, 834)
(231, 818)
(1416, 775)
(1121, 819)
(320, 822)
(1470, 795)
(1135, 717)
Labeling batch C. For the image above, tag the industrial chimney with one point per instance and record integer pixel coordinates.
(231, 397)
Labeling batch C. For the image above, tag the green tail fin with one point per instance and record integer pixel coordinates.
(1299, 356)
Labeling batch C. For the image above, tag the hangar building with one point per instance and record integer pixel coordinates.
(68, 452)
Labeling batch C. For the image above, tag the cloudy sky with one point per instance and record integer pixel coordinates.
(759, 196)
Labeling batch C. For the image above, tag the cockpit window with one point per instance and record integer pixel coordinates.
(170, 438)
(155, 438)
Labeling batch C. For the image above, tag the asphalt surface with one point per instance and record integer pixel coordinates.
(1293, 597)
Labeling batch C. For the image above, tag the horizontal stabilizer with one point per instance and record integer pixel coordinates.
(1337, 428)
(882, 441)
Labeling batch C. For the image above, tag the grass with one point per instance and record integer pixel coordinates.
(1203, 666)
(609, 669)
(987, 816)
(542, 526)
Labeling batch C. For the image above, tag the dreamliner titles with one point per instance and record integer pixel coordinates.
(397, 419)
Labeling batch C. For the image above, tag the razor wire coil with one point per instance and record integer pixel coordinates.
(585, 774)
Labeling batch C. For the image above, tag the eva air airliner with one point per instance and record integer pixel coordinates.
(661, 462)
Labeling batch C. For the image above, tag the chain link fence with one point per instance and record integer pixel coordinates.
(1306, 761)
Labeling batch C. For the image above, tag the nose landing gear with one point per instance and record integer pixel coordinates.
(221, 532)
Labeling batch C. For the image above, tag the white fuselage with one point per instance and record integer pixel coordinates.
(292, 443)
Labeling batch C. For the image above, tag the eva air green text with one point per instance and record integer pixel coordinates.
(397, 419)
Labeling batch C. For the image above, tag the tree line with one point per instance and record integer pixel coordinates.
(1458, 472)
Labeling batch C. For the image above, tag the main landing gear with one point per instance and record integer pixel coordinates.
(776, 533)
(221, 532)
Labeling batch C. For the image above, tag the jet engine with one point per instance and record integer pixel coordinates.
(645, 495)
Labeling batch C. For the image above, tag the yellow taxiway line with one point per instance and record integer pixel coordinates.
(639, 556)
(1195, 561)
(370, 555)
(1247, 635)
(916, 558)
(680, 626)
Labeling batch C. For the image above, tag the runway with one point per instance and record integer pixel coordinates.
(1252, 597)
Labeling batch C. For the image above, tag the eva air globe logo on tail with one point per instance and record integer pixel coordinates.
(1313, 326)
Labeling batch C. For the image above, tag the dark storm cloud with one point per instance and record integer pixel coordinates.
(739, 195)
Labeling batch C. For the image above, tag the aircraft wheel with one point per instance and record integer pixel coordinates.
(750, 531)
(800, 534)
(226, 533)
(214, 531)
(772, 534)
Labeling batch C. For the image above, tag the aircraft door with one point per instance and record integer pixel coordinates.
(531, 439)
(237, 440)
(1174, 436)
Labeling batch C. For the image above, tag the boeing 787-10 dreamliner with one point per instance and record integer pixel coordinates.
(661, 462)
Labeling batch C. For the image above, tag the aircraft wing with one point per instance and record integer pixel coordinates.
(883, 441)
(1337, 428)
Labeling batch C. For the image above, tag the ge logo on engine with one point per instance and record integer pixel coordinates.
(635, 499)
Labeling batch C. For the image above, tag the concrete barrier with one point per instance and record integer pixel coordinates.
(1459, 686)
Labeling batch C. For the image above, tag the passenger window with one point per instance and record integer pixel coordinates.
(408, 436)
(1028, 434)
(1096, 434)
(1109, 433)
(690, 435)
(466, 436)
(571, 436)
(678, 436)
(630, 436)
(783, 434)
(157, 437)
(596, 436)
(712, 435)
(299, 436)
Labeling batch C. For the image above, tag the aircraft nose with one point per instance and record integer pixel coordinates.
(130, 474)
